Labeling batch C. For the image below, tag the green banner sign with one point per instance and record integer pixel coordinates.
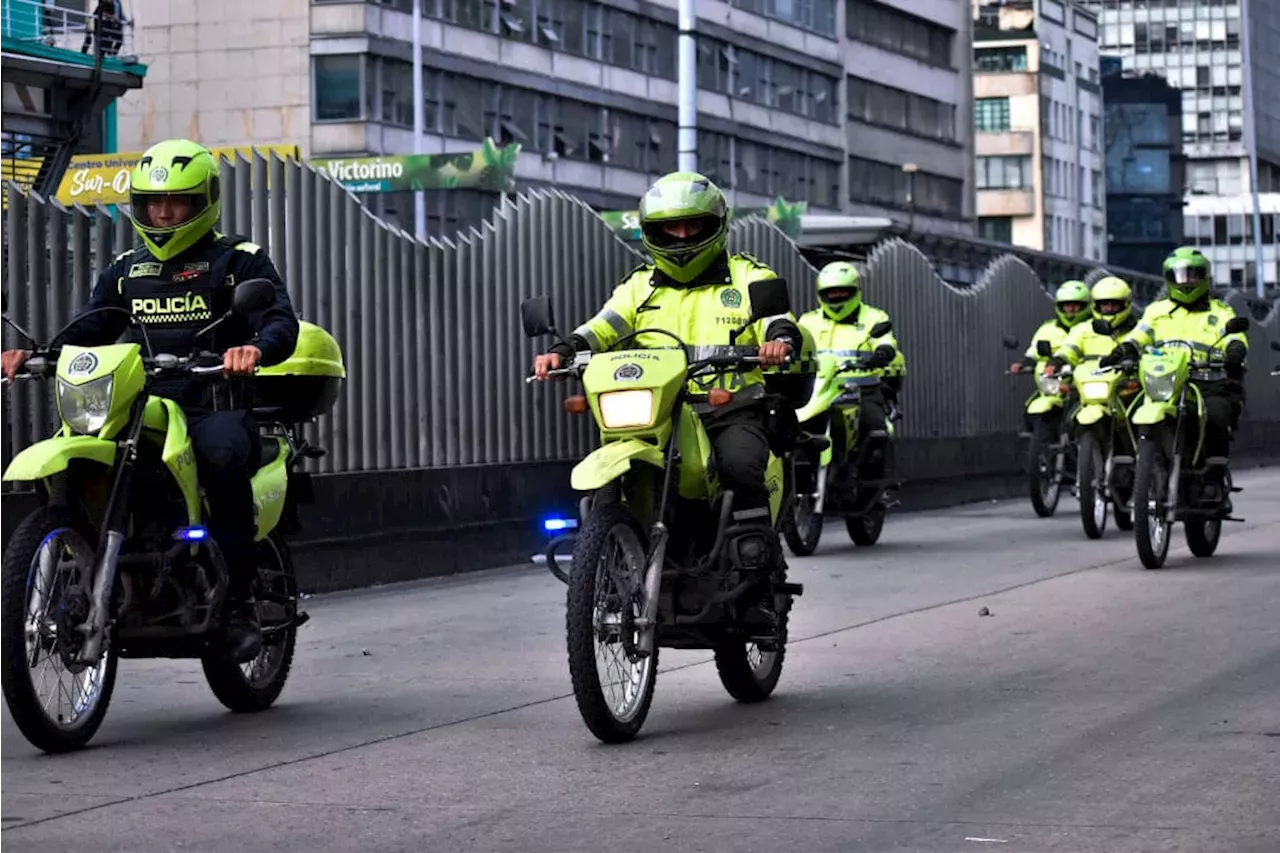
(781, 213)
(491, 168)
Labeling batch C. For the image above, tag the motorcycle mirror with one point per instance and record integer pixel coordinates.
(253, 296)
(1044, 349)
(1101, 326)
(769, 298)
(1236, 325)
(537, 317)
(1275, 345)
(881, 329)
(1010, 342)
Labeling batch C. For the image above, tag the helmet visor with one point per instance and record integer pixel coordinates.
(837, 295)
(681, 233)
(166, 212)
(1108, 307)
(1186, 274)
(1071, 308)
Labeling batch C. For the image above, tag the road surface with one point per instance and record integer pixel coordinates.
(1100, 707)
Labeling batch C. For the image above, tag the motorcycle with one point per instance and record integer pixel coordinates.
(1104, 442)
(839, 390)
(660, 559)
(1170, 482)
(118, 563)
(1049, 465)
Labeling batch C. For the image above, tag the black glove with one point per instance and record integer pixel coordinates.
(1235, 354)
(882, 357)
(1119, 354)
(1056, 363)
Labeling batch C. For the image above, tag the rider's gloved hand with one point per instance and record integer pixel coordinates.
(544, 364)
(1119, 354)
(13, 360)
(1235, 354)
(774, 352)
(882, 357)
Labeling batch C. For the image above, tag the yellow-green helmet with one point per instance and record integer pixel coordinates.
(839, 292)
(183, 170)
(1187, 275)
(690, 197)
(1112, 289)
(1072, 291)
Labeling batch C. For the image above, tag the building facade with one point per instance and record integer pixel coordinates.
(822, 101)
(1038, 118)
(1198, 46)
(1145, 168)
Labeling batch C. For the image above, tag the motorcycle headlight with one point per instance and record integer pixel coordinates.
(1159, 386)
(1049, 385)
(85, 407)
(1096, 390)
(623, 409)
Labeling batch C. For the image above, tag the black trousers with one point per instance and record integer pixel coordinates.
(226, 446)
(741, 448)
(1223, 403)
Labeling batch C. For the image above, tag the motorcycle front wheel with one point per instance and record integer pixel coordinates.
(613, 687)
(1150, 494)
(1043, 482)
(56, 702)
(1091, 478)
(803, 526)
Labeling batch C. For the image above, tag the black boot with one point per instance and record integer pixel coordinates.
(244, 634)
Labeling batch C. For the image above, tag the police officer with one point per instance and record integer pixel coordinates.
(1071, 308)
(1112, 302)
(841, 327)
(695, 289)
(1190, 313)
(177, 282)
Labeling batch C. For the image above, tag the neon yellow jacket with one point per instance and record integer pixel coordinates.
(1167, 320)
(838, 341)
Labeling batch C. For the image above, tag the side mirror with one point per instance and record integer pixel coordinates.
(1275, 345)
(252, 296)
(536, 316)
(769, 298)
(1236, 325)
(1102, 327)
(1011, 342)
(1043, 349)
(881, 329)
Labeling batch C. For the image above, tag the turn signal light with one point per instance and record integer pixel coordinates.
(719, 397)
(575, 405)
(1132, 385)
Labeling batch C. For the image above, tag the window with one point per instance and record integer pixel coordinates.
(749, 166)
(885, 184)
(338, 88)
(1004, 173)
(991, 114)
(901, 110)
(997, 228)
(747, 75)
(816, 15)
(1000, 59)
(886, 27)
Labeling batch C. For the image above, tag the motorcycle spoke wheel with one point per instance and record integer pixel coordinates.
(1043, 481)
(1091, 479)
(57, 701)
(1150, 516)
(613, 687)
(1203, 535)
(803, 529)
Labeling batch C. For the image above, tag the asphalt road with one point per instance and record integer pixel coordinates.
(1100, 707)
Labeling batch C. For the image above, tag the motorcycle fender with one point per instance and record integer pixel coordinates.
(270, 487)
(51, 456)
(1042, 405)
(166, 416)
(821, 400)
(1151, 412)
(610, 461)
(1090, 415)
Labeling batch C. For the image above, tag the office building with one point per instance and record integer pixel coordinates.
(1038, 116)
(822, 101)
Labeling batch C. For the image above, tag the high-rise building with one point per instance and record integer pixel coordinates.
(1198, 46)
(1038, 116)
(822, 101)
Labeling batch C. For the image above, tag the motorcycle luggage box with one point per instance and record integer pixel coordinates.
(305, 385)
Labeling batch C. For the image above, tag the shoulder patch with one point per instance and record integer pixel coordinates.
(250, 247)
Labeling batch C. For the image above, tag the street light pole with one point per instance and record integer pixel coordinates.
(419, 200)
(911, 169)
(688, 88)
(1252, 144)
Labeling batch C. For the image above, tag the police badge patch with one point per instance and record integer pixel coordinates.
(159, 175)
(628, 372)
(731, 298)
(83, 364)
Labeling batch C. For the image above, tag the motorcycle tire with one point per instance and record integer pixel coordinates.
(1042, 480)
(1093, 495)
(1151, 530)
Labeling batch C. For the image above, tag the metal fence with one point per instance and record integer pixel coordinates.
(431, 331)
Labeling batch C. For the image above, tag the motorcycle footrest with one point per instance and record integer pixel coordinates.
(1217, 461)
(1232, 518)
(794, 589)
(1122, 460)
(301, 619)
(1237, 488)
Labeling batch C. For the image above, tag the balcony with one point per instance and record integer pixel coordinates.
(31, 28)
(1007, 202)
(1003, 143)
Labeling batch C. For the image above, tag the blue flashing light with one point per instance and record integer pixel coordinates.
(559, 524)
(192, 534)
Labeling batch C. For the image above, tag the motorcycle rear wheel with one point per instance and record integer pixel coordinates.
(254, 686)
(803, 527)
(1093, 488)
(609, 565)
(1043, 483)
(36, 538)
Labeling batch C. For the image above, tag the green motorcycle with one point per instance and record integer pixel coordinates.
(660, 559)
(118, 561)
(1050, 464)
(1170, 480)
(839, 390)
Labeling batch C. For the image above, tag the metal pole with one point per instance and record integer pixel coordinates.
(688, 85)
(419, 197)
(1252, 136)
